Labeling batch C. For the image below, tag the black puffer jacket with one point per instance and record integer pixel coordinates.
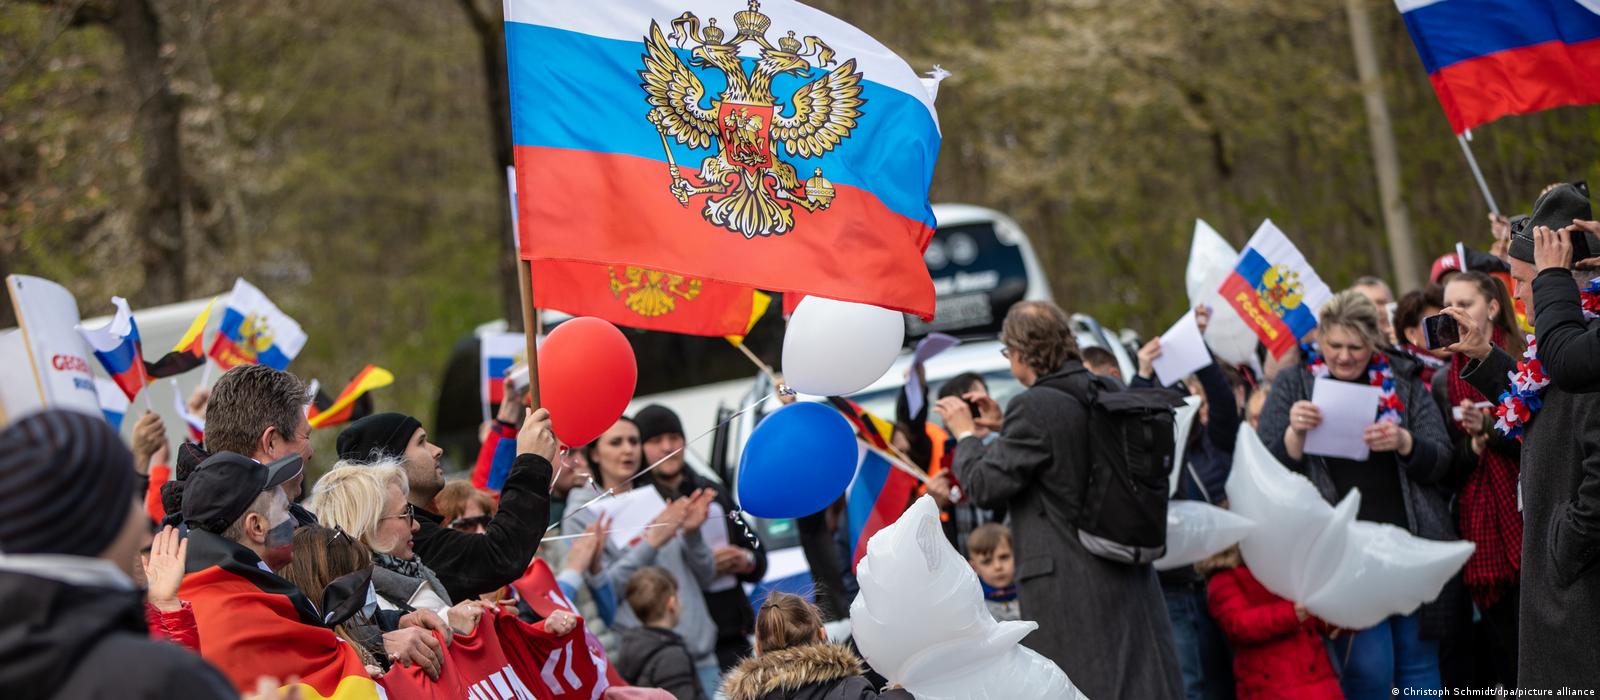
(658, 658)
(63, 641)
(810, 672)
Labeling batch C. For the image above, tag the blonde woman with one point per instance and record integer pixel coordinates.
(368, 502)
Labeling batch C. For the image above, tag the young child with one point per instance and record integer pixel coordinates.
(794, 660)
(989, 553)
(654, 656)
(1277, 648)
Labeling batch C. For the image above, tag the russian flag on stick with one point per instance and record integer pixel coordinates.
(1490, 58)
(255, 331)
(116, 346)
(498, 352)
(1275, 290)
(112, 403)
(195, 424)
(881, 490)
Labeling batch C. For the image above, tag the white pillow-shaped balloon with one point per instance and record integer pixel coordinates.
(1196, 530)
(1183, 423)
(1292, 514)
(833, 348)
(920, 620)
(1385, 571)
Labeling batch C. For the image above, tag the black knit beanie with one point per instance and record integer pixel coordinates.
(654, 420)
(66, 484)
(377, 436)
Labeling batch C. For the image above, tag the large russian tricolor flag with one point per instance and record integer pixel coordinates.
(116, 345)
(1490, 58)
(763, 144)
(1275, 290)
(255, 331)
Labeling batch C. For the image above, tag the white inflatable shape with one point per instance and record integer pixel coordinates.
(1211, 260)
(1196, 530)
(1182, 424)
(833, 348)
(920, 620)
(1290, 510)
(1385, 571)
(1348, 572)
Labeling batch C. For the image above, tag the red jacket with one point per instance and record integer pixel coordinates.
(177, 626)
(1275, 655)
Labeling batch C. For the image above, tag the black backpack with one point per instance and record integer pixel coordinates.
(1123, 513)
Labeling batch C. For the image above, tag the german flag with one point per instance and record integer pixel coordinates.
(256, 624)
(188, 354)
(343, 408)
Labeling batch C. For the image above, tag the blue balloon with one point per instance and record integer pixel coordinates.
(798, 460)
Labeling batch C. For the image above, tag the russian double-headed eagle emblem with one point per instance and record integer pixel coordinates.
(255, 337)
(651, 293)
(1281, 290)
(749, 188)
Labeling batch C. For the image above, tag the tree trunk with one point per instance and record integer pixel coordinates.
(158, 225)
(487, 24)
(1402, 246)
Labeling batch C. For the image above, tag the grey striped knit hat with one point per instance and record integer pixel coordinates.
(66, 484)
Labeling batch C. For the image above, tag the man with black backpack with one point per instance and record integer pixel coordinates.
(1082, 466)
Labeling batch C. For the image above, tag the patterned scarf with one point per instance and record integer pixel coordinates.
(1526, 395)
(1379, 374)
(1488, 509)
(1430, 364)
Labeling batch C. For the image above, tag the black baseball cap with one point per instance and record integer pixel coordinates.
(222, 488)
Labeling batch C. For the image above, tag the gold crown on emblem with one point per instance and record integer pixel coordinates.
(751, 23)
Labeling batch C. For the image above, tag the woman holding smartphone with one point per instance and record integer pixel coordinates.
(1486, 466)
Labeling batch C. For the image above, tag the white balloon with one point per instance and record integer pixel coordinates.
(1196, 530)
(833, 348)
(959, 653)
(1385, 571)
(1291, 510)
(1348, 572)
(1182, 424)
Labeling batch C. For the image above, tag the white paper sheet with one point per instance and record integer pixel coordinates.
(1347, 410)
(630, 512)
(715, 533)
(1183, 350)
(933, 344)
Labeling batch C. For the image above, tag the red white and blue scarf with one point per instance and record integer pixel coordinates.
(1526, 395)
(1379, 374)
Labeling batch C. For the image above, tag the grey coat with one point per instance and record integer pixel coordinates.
(1560, 495)
(1421, 475)
(685, 556)
(1102, 622)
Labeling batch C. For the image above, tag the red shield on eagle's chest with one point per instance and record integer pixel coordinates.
(746, 131)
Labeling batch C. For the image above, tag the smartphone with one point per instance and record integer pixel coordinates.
(1440, 331)
(973, 406)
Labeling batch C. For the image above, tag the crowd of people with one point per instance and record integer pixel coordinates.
(201, 570)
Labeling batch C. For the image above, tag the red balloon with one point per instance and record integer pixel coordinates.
(587, 374)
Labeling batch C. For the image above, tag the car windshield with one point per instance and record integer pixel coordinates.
(1002, 386)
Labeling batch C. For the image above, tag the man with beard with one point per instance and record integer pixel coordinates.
(468, 564)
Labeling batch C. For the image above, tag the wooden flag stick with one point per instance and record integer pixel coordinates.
(530, 331)
(764, 367)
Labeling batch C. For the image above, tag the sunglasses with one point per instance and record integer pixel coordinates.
(410, 514)
(338, 532)
(470, 524)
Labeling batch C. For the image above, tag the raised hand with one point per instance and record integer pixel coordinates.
(536, 437)
(699, 509)
(163, 569)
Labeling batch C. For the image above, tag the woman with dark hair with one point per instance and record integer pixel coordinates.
(1408, 314)
(672, 541)
(322, 555)
(1487, 467)
(1399, 480)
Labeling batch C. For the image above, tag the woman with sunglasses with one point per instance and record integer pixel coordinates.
(466, 508)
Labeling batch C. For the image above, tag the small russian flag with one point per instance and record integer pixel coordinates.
(117, 347)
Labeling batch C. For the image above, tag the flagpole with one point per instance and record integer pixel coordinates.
(1477, 174)
(764, 367)
(529, 329)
